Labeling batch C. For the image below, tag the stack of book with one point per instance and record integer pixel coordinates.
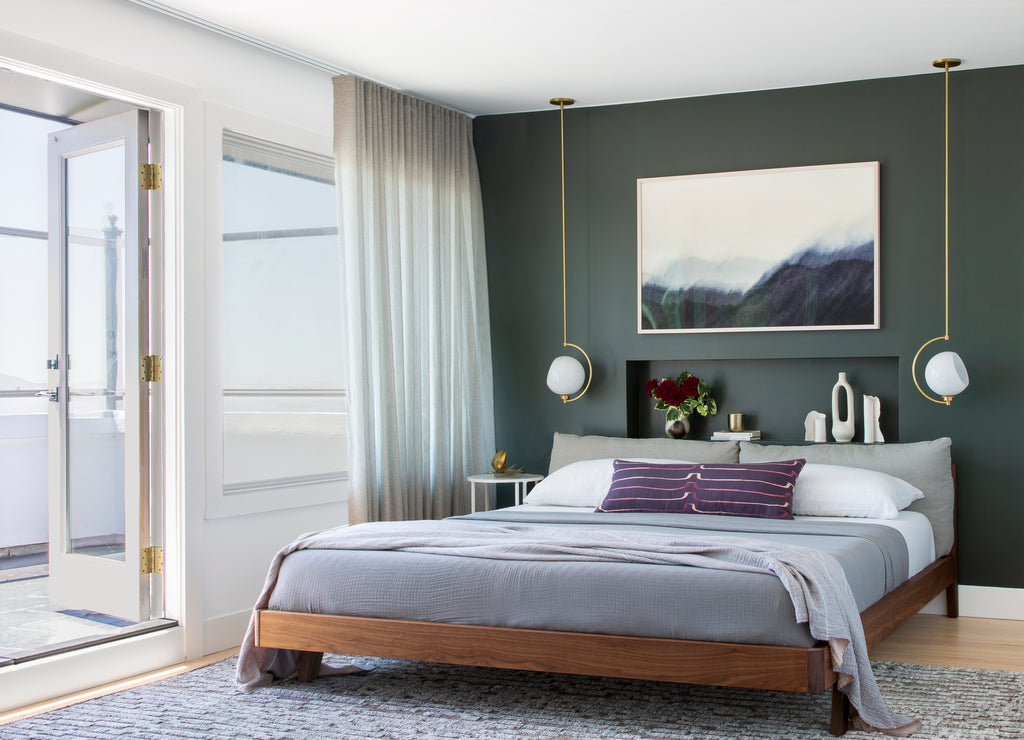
(747, 435)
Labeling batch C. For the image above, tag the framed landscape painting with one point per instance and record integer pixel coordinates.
(762, 250)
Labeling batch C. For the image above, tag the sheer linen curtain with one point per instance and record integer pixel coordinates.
(420, 385)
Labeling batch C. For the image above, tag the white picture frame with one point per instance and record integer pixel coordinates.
(787, 249)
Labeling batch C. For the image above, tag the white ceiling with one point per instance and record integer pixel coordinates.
(53, 99)
(491, 56)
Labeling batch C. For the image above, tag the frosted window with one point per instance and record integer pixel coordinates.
(284, 388)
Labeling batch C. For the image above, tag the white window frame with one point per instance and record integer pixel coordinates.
(288, 493)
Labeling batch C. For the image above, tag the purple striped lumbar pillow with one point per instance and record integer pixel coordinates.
(762, 490)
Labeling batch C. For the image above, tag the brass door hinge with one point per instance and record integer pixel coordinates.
(151, 368)
(152, 560)
(150, 176)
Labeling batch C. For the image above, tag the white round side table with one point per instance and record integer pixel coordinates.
(520, 481)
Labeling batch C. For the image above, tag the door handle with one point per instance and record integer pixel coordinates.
(52, 395)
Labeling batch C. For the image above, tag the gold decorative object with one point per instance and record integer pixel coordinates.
(945, 373)
(566, 374)
(500, 464)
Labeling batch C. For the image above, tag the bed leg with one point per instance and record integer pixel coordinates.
(952, 601)
(309, 666)
(840, 720)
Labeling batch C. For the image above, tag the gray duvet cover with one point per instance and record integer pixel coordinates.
(610, 598)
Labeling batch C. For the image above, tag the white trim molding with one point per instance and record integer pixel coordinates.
(245, 38)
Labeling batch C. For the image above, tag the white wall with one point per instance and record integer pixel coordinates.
(122, 47)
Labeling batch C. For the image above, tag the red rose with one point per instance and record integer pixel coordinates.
(676, 395)
(690, 387)
(652, 385)
(667, 391)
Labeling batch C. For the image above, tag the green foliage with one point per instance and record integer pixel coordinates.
(681, 396)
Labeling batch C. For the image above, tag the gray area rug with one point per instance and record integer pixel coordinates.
(400, 699)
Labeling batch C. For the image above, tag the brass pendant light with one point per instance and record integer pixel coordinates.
(945, 373)
(566, 375)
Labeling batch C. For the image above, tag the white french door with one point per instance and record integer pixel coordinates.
(101, 514)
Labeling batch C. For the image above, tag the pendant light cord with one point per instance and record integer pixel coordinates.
(561, 116)
(946, 65)
(589, 372)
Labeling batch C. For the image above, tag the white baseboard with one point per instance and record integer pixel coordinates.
(226, 631)
(983, 601)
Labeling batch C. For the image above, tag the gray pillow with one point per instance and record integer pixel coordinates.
(922, 464)
(570, 448)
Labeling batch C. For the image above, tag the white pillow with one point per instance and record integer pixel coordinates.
(836, 490)
(583, 483)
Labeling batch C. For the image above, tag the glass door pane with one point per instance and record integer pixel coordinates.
(99, 512)
(96, 353)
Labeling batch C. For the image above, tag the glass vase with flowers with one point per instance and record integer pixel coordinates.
(679, 397)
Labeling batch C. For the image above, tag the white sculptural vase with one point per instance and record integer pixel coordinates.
(843, 429)
(872, 426)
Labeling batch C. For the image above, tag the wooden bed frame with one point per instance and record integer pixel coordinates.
(796, 669)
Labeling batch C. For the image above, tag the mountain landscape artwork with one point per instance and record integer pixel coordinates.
(762, 250)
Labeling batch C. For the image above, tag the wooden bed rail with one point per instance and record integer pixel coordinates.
(798, 669)
(883, 617)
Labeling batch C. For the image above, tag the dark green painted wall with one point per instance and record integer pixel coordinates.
(898, 122)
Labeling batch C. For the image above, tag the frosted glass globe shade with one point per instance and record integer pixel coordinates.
(566, 375)
(946, 374)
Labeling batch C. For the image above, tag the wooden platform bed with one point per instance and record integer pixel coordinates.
(803, 670)
(795, 669)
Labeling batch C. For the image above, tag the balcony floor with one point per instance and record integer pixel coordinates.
(31, 624)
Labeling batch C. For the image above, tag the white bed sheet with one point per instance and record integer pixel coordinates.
(914, 526)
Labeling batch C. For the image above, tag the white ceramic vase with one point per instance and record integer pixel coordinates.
(843, 429)
(814, 427)
(872, 427)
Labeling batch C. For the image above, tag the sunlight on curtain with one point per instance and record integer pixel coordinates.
(419, 347)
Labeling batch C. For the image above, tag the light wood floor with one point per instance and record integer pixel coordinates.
(971, 642)
(927, 638)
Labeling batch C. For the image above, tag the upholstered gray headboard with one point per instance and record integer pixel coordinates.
(570, 448)
(926, 465)
(922, 464)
